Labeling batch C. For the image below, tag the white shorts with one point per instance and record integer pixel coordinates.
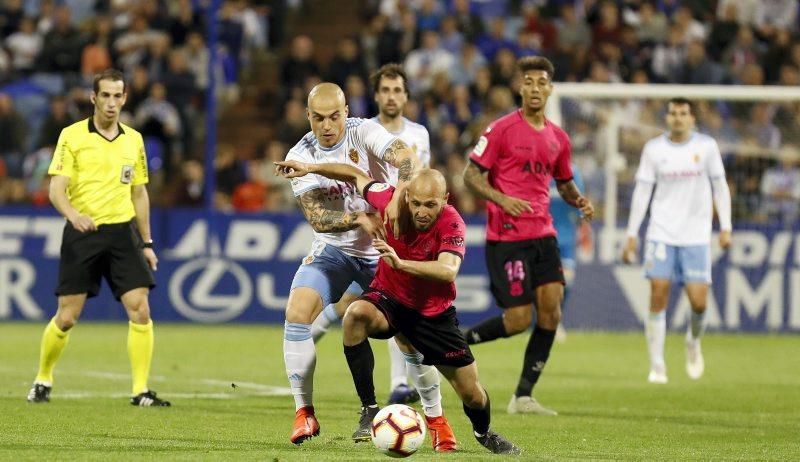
(691, 263)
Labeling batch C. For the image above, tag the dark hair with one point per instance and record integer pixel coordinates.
(680, 101)
(391, 71)
(113, 75)
(536, 63)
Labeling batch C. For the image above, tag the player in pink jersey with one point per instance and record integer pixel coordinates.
(412, 294)
(511, 167)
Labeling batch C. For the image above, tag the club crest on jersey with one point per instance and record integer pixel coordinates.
(308, 260)
(696, 158)
(378, 187)
(353, 155)
(481, 146)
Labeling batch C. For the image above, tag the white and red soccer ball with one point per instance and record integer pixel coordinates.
(398, 430)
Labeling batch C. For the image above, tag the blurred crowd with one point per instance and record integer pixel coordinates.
(459, 55)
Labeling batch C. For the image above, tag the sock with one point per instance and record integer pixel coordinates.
(397, 362)
(426, 379)
(300, 357)
(697, 325)
(536, 354)
(486, 331)
(480, 418)
(140, 353)
(362, 363)
(53, 342)
(655, 331)
(320, 325)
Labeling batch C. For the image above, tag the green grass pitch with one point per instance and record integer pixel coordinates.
(746, 407)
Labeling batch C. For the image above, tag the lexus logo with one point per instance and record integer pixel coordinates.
(201, 304)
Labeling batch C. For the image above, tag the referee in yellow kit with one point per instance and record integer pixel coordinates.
(99, 172)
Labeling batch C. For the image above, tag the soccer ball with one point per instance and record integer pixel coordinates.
(398, 430)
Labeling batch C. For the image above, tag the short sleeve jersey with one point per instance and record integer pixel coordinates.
(521, 161)
(417, 138)
(363, 140)
(681, 211)
(100, 171)
(428, 297)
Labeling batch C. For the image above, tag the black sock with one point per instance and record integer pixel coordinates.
(362, 363)
(480, 418)
(536, 354)
(488, 330)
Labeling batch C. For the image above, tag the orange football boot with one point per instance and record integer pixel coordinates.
(442, 435)
(305, 425)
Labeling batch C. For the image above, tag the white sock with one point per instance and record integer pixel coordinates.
(426, 379)
(697, 325)
(655, 332)
(324, 320)
(300, 357)
(397, 360)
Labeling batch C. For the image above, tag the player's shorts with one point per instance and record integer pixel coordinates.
(330, 272)
(690, 263)
(113, 252)
(438, 337)
(517, 268)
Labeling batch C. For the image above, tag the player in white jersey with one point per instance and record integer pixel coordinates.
(685, 167)
(390, 86)
(344, 225)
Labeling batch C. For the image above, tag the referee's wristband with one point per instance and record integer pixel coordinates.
(148, 244)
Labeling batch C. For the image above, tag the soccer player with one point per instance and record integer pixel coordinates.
(685, 169)
(99, 171)
(342, 252)
(511, 167)
(566, 220)
(390, 88)
(412, 294)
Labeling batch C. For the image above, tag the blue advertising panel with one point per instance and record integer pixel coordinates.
(217, 267)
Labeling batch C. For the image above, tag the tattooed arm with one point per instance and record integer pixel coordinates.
(323, 220)
(401, 156)
(477, 182)
(572, 196)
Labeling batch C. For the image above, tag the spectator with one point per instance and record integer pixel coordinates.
(466, 65)
(780, 186)
(429, 16)
(138, 89)
(699, 69)
(544, 32)
(11, 16)
(300, 63)
(346, 62)
(156, 117)
(188, 190)
(771, 16)
(668, 57)
(496, 39)
(650, 24)
(358, 102)
(723, 32)
(197, 57)
(58, 118)
(761, 128)
(452, 38)
(776, 55)
(424, 63)
(572, 32)
(230, 172)
(608, 28)
(691, 29)
(183, 22)
(742, 52)
(62, 47)
(469, 23)
(96, 55)
(24, 45)
(12, 153)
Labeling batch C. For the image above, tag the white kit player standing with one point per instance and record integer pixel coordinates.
(685, 168)
(390, 87)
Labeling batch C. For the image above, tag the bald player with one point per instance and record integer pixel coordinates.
(344, 225)
(411, 296)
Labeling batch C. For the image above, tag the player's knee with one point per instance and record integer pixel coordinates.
(357, 313)
(65, 320)
(517, 321)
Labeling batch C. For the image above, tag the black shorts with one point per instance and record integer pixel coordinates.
(438, 338)
(517, 268)
(113, 252)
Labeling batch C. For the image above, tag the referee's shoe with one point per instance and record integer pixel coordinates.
(39, 393)
(147, 399)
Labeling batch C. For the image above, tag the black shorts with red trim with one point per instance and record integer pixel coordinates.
(517, 268)
(438, 337)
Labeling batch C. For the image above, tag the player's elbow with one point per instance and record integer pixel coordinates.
(450, 273)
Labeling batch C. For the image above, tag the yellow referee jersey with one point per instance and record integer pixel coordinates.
(101, 171)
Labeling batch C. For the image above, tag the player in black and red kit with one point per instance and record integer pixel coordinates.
(412, 294)
(511, 167)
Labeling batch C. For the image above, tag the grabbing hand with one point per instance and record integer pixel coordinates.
(372, 224)
(515, 207)
(387, 253)
(629, 251)
(392, 214)
(291, 168)
(586, 208)
(83, 223)
(725, 239)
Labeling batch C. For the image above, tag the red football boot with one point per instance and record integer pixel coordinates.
(442, 435)
(305, 425)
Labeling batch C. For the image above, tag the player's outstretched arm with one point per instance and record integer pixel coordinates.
(572, 195)
(323, 220)
(444, 269)
(340, 172)
(59, 199)
(399, 155)
(477, 182)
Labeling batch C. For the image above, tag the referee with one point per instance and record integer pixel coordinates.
(99, 172)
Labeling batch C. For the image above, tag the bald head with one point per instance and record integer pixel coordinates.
(426, 196)
(327, 113)
(326, 94)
